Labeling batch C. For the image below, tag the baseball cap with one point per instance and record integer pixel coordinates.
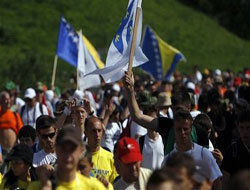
(116, 87)
(30, 93)
(69, 134)
(128, 150)
(21, 152)
(10, 85)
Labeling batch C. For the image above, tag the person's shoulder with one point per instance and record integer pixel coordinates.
(34, 185)
(106, 153)
(89, 183)
(39, 153)
(145, 170)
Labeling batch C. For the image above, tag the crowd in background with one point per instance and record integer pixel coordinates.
(190, 132)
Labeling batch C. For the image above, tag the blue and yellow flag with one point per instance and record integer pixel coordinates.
(163, 58)
(67, 46)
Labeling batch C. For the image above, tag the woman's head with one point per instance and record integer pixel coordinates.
(21, 157)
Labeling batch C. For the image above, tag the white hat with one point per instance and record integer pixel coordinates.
(217, 72)
(191, 85)
(30, 93)
(49, 95)
(78, 94)
(116, 87)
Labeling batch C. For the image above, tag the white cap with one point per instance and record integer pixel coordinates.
(78, 94)
(116, 87)
(217, 72)
(49, 95)
(30, 93)
(191, 85)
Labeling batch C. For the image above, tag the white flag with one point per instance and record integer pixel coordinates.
(119, 50)
(85, 65)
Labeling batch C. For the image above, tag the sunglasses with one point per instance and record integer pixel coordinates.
(46, 136)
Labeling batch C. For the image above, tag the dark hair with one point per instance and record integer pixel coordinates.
(213, 97)
(160, 176)
(182, 113)
(244, 116)
(181, 160)
(44, 122)
(181, 98)
(203, 102)
(12, 180)
(149, 109)
(27, 131)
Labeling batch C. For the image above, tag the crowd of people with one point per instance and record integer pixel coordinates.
(191, 132)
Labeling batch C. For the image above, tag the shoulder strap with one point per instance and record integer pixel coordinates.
(141, 142)
(17, 123)
(41, 108)
(22, 110)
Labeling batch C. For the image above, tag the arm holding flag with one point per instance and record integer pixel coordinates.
(144, 120)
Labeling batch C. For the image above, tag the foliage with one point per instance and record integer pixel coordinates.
(28, 36)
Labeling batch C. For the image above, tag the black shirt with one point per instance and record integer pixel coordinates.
(236, 158)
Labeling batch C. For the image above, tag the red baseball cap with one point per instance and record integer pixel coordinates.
(128, 150)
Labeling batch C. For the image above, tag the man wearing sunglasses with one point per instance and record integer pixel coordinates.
(46, 132)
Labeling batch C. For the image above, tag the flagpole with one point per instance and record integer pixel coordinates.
(54, 73)
(132, 50)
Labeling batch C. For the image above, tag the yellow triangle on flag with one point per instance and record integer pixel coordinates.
(93, 52)
(167, 54)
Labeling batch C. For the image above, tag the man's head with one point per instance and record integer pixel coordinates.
(5, 100)
(129, 158)
(30, 97)
(46, 132)
(79, 115)
(184, 167)
(69, 148)
(27, 135)
(182, 126)
(181, 98)
(94, 132)
(162, 179)
(244, 126)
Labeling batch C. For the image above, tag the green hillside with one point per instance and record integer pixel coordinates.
(28, 35)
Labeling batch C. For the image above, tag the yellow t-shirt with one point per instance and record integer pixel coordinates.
(1, 177)
(103, 164)
(80, 182)
(21, 184)
(110, 187)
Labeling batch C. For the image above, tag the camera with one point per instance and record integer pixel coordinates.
(79, 103)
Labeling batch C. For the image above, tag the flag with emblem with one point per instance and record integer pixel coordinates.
(162, 57)
(119, 50)
(67, 44)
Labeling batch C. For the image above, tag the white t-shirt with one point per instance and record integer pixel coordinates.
(135, 129)
(41, 158)
(203, 159)
(29, 115)
(112, 135)
(153, 153)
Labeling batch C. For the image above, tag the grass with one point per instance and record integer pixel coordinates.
(28, 36)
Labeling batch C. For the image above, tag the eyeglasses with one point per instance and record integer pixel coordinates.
(46, 136)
